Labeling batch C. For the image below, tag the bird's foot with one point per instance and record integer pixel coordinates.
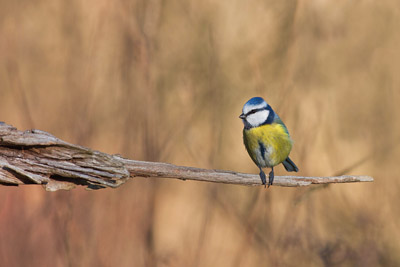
(271, 178)
(263, 178)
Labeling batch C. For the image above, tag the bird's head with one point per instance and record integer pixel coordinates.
(256, 112)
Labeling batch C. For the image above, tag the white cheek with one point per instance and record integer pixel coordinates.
(258, 118)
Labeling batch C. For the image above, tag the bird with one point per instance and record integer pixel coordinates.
(266, 138)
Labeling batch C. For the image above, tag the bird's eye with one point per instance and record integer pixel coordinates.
(253, 111)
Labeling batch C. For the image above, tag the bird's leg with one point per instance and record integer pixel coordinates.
(271, 177)
(263, 177)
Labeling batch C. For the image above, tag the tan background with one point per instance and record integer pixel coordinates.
(166, 81)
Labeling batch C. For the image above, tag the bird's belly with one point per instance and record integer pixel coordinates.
(267, 158)
(268, 145)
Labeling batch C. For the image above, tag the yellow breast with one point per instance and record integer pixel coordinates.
(268, 145)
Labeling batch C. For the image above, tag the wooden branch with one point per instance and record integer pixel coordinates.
(37, 157)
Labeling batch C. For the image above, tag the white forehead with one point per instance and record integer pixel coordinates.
(248, 107)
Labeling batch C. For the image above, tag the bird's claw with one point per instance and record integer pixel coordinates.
(271, 178)
(263, 178)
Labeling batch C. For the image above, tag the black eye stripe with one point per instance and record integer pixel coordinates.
(254, 111)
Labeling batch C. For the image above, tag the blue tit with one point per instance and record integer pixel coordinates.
(266, 138)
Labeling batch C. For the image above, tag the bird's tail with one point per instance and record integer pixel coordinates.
(289, 165)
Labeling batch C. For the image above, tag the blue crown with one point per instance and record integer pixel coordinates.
(255, 101)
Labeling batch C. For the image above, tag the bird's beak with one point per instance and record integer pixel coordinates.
(242, 116)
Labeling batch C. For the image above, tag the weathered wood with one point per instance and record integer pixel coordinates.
(37, 157)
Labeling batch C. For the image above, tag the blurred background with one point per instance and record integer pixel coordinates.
(165, 81)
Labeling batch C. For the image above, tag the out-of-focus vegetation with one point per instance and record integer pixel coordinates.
(165, 81)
